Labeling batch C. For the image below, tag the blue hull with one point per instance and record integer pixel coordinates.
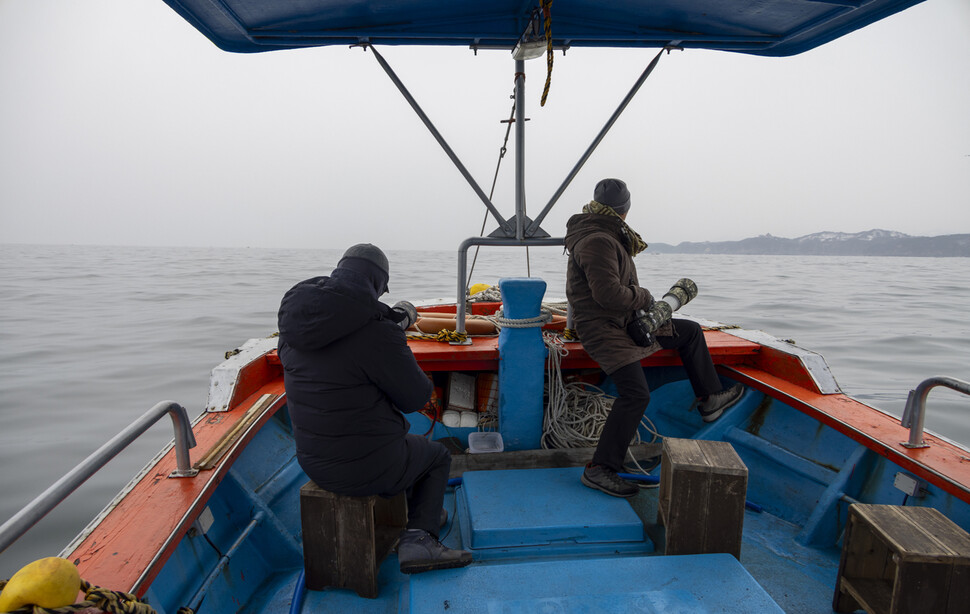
(802, 474)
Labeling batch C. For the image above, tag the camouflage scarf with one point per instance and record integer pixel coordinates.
(635, 243)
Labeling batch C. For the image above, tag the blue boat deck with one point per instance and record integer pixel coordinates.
(540, 538)
(775, 574)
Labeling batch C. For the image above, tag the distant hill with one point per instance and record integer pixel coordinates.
(869, 243)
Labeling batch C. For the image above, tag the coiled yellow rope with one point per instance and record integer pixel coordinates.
(444, 334)
(112, 602)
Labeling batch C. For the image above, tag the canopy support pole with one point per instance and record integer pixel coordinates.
(519, 149)
(503, 224)
(606, 128)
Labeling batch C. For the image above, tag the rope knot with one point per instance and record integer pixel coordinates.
(535, 322)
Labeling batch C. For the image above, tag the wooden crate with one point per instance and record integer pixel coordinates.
(346, 538)
(703, 485)
(903, 560)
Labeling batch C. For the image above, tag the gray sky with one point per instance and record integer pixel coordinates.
(121, 124)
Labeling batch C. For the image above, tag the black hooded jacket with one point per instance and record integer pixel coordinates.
(348, 374)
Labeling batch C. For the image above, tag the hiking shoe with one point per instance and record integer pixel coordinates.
(605, 479)
(714, 406)
(419, 551)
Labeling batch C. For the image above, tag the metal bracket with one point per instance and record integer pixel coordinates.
(916, 407)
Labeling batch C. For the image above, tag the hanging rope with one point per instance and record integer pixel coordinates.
(501, 155)
(547, 12)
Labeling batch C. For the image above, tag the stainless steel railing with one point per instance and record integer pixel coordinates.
(916, 406)
(31, 514)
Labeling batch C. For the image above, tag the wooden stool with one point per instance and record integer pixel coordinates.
(903, 560)
(346, 538)
(701, 501)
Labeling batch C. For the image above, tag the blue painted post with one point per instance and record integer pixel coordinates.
(521, 367)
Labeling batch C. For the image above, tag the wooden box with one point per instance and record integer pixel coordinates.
(901, 560)
(346, 538)
(703, 485)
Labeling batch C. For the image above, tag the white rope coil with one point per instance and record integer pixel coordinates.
(575, 413)
(488, 295)
(538, 321)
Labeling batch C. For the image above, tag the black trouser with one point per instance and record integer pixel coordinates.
(633, 394)
(426, 474)
(412, 464)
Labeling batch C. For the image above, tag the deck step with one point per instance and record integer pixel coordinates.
(544, 512)
(690, 583)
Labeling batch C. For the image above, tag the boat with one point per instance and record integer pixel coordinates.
(214, 523)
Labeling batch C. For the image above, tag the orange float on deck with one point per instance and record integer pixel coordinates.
(430, 325)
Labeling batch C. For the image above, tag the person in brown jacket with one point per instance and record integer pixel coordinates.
(604, 293)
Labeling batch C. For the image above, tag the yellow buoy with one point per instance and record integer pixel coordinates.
(51, 582)
(478, 288)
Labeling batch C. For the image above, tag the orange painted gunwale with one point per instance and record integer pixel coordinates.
(129, 546)
(943, 464)
(482, 354)
(131, 543)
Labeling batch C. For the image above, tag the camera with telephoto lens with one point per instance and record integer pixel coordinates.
(646, 322)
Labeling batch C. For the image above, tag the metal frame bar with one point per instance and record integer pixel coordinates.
(223, 561)
(463, 266)
(520, 236)
(33, 512)
(599, 137)
(503, 224)
(519, 151)
(915, 410)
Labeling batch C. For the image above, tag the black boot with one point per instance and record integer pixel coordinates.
(419, 551)
(712, 408)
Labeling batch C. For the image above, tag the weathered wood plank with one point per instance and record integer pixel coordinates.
(903, 560)
(538, 459)
(703, 485)
(870, 595)
(346, 538)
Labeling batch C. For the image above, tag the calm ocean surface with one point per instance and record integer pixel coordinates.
(92, 337)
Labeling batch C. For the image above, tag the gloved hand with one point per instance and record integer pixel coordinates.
(684, 291)
(406, 312)
(655, 317)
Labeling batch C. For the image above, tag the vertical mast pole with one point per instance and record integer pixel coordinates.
(520, 149)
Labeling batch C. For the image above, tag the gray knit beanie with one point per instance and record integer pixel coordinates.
(367, 251)
(614, 194)
(369, 261)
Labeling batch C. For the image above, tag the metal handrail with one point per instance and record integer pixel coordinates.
(916, 406)
(33, 512)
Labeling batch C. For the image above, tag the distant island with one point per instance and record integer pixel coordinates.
(870, 243)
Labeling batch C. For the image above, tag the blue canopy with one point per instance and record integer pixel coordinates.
(762, 27)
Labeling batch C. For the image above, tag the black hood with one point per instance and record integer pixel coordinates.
(321, 310)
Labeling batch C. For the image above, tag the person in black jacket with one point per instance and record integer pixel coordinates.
(349, 375)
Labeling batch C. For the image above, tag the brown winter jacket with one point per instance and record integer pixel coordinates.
(603, 290)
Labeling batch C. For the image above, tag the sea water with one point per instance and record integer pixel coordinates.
(92, 337)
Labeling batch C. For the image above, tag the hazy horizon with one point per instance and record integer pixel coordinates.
(123, 125)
